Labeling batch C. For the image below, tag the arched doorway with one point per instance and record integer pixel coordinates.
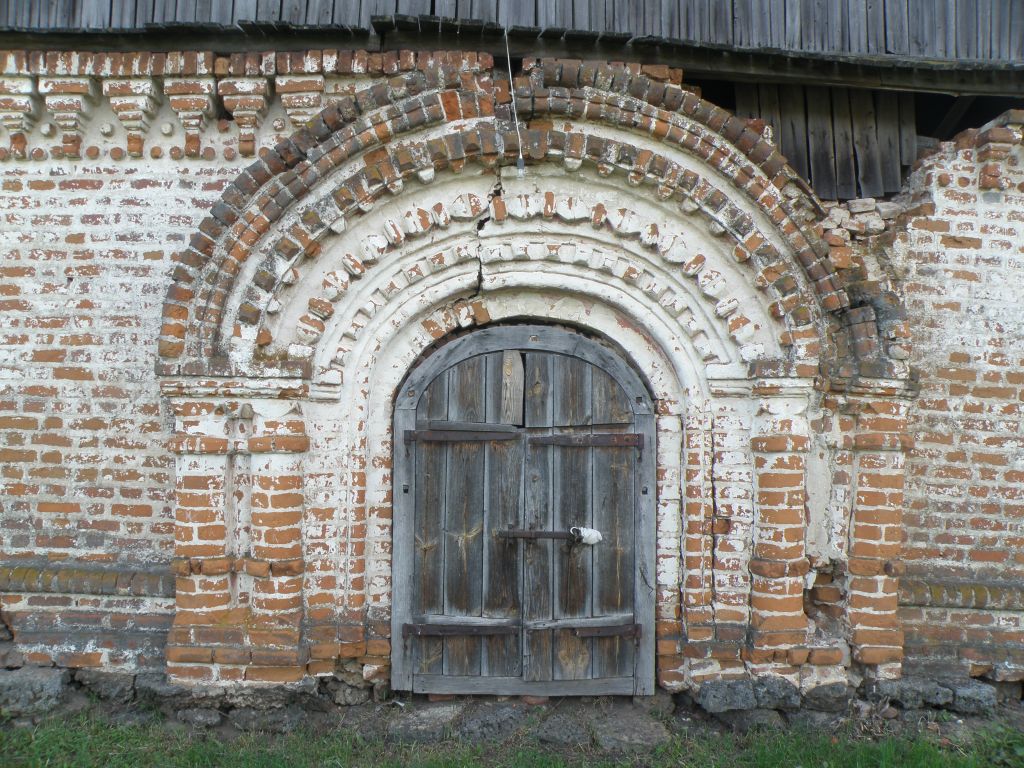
(524, 519)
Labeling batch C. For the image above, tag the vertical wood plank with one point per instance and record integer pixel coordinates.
(819, 142)
(944, 44)
(984, 45)
(245, 10)
(966, 30)
(428, 535)
(502, 565)
(777, 23)
(876, 25)
(808, 29)
(768, 101)
(1016, 52)
(163, 11)
(268, 10)
(511, 388)
(887, 121)
(96, 15)
(486, 10)
(746, 100)
(448, 8)
(464, 524)
(613, 494)
(222, 11)
(923, 27)
(672, 19)
(1001, 20)
(122, 14)
(538, 553)
(572, 470)
(897, 25)
(794, 20)
(319, 12)
(865, 143)
(742, 23)
(908, 129)
(792, 137)
(413, 7)
(842, 134)
(857, 21)
(185, 11)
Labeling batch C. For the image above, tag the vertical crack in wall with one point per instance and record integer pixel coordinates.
(496, 191)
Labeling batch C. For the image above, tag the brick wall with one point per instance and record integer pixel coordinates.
(281, 562)
(962, 262)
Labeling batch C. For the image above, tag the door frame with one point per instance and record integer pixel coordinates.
(539, 338)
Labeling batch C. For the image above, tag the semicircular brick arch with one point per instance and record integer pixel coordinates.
(366, 133)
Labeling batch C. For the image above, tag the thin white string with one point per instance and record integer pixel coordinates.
(521, 163)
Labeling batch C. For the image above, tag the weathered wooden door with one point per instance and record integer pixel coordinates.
(510, 443)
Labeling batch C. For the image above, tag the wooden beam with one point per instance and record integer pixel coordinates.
(948, 124)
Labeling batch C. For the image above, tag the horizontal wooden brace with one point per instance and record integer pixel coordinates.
(454, 630)
(528, 533)
(456, 436)
(602, 440)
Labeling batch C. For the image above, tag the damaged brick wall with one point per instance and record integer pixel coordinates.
(961, 259)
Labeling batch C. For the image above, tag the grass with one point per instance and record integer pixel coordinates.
(91, 741)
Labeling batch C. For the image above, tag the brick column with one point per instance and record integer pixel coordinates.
(779, 443)
(671, 544)
(203, 595)
(698, 510)
(277, 443)
(876, 532)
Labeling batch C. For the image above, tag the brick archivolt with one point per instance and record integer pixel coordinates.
(365, 149)
(553, 226)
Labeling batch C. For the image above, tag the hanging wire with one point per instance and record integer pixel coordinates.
(520, 162)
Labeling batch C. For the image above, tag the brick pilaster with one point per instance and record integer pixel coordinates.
(876, 533)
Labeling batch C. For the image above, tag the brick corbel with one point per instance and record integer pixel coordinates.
(191, 98)
(246, 99)
(134, 101)
(302, 97)
(70, 100)
(19, 109)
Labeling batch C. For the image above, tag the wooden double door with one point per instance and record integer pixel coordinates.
(513, 446)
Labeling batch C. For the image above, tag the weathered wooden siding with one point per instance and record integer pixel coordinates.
(848, 142)
(990, 30)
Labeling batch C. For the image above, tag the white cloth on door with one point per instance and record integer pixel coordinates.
(586, 535)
